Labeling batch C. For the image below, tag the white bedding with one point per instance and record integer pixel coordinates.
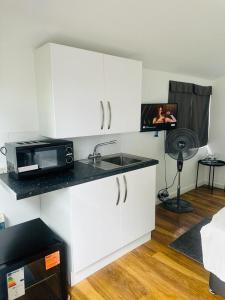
(213, 245)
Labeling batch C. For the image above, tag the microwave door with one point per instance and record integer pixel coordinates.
(26, 161)
(50, 157)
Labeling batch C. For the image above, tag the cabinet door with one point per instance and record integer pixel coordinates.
(138, 208)
(96, 221)
(123, 79)
(78, 88)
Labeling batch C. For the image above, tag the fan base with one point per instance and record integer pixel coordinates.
(182, 207)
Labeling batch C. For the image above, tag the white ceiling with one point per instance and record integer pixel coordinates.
(182, 36)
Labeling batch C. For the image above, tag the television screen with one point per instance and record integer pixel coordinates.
(160, 116)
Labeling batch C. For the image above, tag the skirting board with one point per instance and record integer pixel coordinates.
(192, 187)
(187, 188)
(218, 185)
(183, 190)
(77, 277)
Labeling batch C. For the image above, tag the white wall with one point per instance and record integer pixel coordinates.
(155, 89)
(18, 117)
(18, 121)
(18, 211)
(216, 133)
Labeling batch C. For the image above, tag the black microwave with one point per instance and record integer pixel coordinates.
(37, 157)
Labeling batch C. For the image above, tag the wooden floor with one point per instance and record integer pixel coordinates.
(154, 271)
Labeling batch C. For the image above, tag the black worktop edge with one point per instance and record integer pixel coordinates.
(65, 184)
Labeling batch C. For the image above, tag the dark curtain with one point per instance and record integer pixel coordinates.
(193, 107)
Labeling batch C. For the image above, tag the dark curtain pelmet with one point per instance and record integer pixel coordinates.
(193, 107)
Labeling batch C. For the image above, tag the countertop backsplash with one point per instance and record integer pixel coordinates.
(83, 146)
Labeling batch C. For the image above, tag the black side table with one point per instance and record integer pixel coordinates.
(211, 163)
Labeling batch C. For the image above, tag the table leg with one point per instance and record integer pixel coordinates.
(213, 179)
(196, 184)
(209, 176)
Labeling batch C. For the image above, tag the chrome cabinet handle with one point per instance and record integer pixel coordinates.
(118, 185)
(110, 114)
(125, 183)
(103, 115)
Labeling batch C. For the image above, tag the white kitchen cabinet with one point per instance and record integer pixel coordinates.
(83, 93)
(138, 204)
(111, 213)
(96, 221)
(103, 219)
(70, 91)
(123, 80)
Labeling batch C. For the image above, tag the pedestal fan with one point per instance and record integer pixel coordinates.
(181, 144)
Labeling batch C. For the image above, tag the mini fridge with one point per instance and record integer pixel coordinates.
(32, 263)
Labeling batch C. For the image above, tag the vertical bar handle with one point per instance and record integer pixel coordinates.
(110, 114)
(103, 115)
(118, 186)
(125, 183)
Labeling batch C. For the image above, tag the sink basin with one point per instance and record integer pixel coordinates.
(114, 161)
(121, 160)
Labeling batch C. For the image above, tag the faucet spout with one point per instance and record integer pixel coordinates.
(97, 155)
(103, 144)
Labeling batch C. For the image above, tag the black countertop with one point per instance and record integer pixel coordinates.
(81, 173)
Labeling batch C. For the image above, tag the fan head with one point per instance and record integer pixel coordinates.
(182, 140)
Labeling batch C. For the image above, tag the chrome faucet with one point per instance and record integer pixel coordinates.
(97, 156)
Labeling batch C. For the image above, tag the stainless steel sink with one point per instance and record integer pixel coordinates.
(121, 160)
(114, 161)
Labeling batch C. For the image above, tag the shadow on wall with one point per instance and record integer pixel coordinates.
(18, 211)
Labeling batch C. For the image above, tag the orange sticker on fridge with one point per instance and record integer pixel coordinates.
(52, 260)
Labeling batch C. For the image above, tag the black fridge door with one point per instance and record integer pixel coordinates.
(40, 282)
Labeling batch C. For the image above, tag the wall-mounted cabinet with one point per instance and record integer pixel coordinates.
(82, 93)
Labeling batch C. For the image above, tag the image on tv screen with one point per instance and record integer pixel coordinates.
(155, 117)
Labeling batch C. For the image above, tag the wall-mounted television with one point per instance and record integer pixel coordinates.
(158, 116)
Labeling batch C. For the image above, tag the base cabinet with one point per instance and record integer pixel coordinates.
(138, 208)
(96, 221)
(104, 219)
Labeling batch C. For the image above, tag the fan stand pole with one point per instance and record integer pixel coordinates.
(178, 190)
(180, 163)
(177, 204)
